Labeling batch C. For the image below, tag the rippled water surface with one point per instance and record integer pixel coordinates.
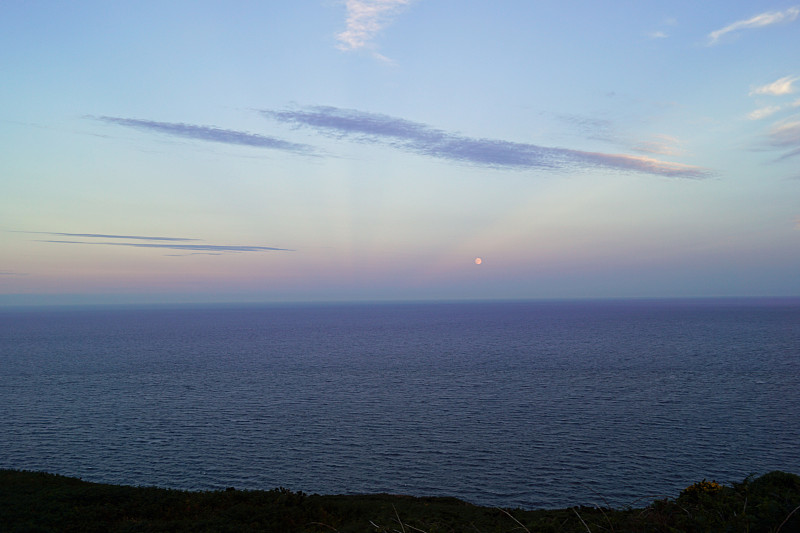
(510, 404)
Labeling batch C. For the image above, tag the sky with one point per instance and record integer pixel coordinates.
(332, 150)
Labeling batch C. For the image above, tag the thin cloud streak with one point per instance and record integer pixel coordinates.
(365, 18)
(209, 133)
(597, 129)
(786, 134)
(192, 247)
(777, 87)
(106, 236)
(661, 145)
(759, 21)
(790, 154)
(193, 253)
(424, 140)
(768, 111)
(168, 243)
(763, 112)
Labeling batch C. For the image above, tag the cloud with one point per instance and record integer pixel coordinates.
(768, 111)
(424, 140)
(11, 273)
(777, 87)
(192, 247)
(789, 154)
(106, 236)
(759, 21)
(193, 253)
(597, 129)
(172, 243)
(785, 134)
(209, 133)
(662, 145)
(365, 18)
(764, 112)
(660, 34)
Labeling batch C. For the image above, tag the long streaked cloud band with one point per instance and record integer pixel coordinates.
(425, 140)
(758, 21)
(165, 243)
(190, 247)
(209, 133)
(108, 236)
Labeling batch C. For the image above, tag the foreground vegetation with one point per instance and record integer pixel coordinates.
(39, 502)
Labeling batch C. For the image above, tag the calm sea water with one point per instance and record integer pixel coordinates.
(540, 404)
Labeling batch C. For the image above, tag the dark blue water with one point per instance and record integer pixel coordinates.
(510, 404)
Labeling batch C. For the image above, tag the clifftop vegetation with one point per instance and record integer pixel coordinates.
(40, 502)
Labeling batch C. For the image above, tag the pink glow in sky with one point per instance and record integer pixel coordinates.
(401, 150)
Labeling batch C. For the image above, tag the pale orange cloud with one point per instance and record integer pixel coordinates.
(365, 18)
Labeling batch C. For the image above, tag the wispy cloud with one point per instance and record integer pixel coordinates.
(759, 21)
(193, 253)
(785, 135)
(209, 133)
(598, 129)
(786, 132)
(365, 18)
(777, 87)
(661, 34)
(764, 112)
(11, 273)
(107, 236)
(425, 140)
(661, 145)
(192, 247)
(165, 243)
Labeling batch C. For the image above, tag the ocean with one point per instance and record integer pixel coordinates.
(512, 404)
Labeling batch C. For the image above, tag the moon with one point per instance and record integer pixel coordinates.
(478, 260)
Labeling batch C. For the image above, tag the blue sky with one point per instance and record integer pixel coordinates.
(372, 150)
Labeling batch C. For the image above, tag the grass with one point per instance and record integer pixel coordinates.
(41, 502)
